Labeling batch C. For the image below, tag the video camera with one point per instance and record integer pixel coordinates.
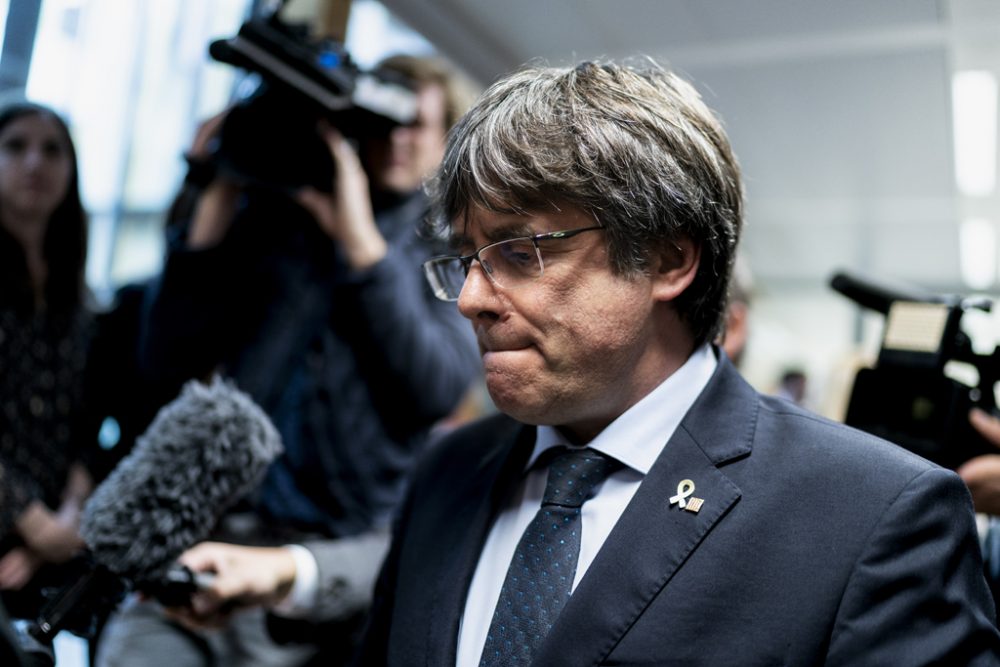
(89, 594)
(907, 398)
(270, 138)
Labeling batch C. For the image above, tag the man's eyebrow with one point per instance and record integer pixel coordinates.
(514, 231)
(458, 242)
(499, 233)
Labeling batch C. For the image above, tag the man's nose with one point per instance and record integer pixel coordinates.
(478, 293)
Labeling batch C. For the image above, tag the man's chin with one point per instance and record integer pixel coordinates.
(515, 400)
(397, 182)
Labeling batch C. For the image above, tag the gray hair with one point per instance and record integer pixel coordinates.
(634, 146)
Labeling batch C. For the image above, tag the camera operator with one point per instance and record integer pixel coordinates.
(313, 302)
(982, 473)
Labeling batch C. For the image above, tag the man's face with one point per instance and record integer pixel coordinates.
(575, 347)
(400, 162)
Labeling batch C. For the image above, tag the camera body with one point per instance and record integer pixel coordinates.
(908, 398)
(89, 594)
(270, 138)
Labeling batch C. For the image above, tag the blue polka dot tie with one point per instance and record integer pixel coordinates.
(540, 576)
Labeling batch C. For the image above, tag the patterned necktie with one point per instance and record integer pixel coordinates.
(540, 576)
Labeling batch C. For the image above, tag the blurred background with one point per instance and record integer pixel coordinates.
(866, 130)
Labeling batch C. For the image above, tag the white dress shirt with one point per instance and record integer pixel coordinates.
(301, 599)
(636, 439)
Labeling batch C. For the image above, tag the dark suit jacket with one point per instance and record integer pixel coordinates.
(816, 544)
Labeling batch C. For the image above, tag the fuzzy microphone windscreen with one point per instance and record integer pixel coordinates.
(204, 451)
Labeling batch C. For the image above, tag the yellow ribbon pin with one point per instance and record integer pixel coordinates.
(684, 490)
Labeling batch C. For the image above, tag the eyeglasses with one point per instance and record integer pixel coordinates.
(508, 264)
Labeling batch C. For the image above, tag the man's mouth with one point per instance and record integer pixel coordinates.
(493, 343)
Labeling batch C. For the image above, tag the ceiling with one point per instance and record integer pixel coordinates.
(840, 112)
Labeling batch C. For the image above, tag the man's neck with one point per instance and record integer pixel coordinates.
(385, 199)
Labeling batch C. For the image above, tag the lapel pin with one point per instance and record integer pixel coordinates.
(684, 499)
(694, 504)
(684, 489)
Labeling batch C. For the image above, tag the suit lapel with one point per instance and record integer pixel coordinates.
(653, 538)
(501, 469)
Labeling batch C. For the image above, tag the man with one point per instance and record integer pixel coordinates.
(982, 473)
(595, 212)
(736, 331)
(312, 301)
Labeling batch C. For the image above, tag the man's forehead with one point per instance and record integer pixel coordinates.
(481, 225)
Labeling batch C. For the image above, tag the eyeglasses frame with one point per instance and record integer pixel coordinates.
(467, 260)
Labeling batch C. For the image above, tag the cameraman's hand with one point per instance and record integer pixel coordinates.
(205, 137)
(982, 473)
(51, 536)
(213, 214)
(216, 205)
(244, 577)
(17, 567)
(346, 216)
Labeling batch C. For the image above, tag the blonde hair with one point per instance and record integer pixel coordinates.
(459, 90)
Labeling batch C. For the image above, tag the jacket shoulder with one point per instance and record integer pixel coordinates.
(782, 422)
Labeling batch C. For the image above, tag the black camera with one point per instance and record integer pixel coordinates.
(907, 397)
(90, 592)
(270, 138)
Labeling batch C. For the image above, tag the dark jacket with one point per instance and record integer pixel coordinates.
(816, 545)
(353, 367)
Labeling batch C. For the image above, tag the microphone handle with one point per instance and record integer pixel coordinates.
(176, 586)
(74, 607)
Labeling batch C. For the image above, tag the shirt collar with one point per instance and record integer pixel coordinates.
(638, 435)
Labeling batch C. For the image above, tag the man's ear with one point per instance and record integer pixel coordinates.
(674, 268)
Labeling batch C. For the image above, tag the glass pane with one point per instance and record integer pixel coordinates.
(134, 80)
(4, 6)
(374, 33)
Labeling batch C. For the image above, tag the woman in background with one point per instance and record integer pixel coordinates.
(45, 332)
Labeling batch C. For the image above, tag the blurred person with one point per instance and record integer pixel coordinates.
(792, 386)
(10, 644)
(294, 582)
(46, 327)
(638, 502)
(982, 473)
(313, 302)
(737, 330)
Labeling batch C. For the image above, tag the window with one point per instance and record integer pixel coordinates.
(134, 79)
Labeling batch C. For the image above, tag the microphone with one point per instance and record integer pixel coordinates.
(204, 451)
